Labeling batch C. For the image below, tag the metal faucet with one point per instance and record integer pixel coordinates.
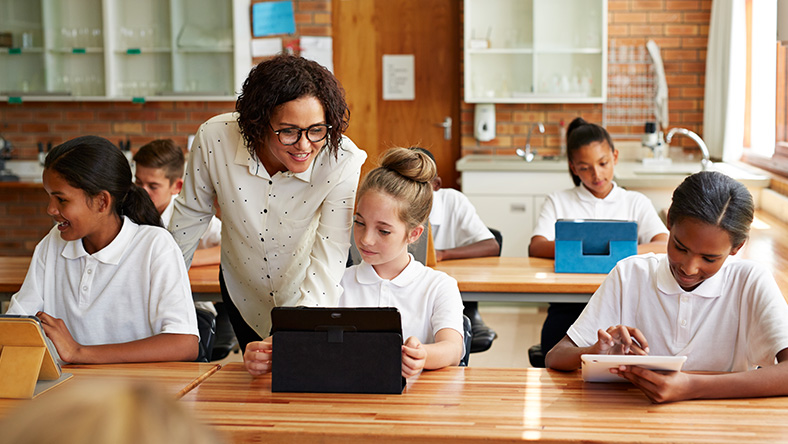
(705, 163)
(528, 154)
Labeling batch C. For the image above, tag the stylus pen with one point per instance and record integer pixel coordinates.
(198, 381)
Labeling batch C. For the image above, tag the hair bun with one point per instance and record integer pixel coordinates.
(410, 164)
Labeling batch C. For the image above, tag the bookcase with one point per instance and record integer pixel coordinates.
(535, 51)
(120, 50)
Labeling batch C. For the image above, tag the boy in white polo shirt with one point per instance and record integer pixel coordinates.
(159, 167)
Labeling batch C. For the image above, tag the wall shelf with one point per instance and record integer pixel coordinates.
(116, 50)
(535, 51)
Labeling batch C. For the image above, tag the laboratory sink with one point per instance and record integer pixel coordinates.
(636, 174)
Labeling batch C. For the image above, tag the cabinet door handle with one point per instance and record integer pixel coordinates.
(519, 207)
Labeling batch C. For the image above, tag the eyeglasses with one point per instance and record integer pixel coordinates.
(291, 136)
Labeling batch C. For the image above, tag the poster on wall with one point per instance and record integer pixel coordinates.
(319, 49)
(273, 18)
(399, 77)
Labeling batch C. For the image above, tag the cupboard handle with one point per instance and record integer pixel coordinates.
(519, 207)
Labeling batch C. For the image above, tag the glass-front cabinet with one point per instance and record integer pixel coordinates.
(141, 50)
(535, 51)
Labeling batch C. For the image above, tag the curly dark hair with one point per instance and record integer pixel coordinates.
(284, 78)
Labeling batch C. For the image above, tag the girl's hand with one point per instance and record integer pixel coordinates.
(658, 386)
(414, 356)
(56, 330)
(621, 340)
(257, 356)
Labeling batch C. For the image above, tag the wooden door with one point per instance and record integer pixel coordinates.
(364, 31)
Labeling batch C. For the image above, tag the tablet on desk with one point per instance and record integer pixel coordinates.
(26, 356)
(596, 368)
(336, 350)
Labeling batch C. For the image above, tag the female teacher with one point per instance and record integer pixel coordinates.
(285, 179)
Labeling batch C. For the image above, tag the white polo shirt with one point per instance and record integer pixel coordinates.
(454, 221)
(285, 237)
(733, 321)
(134, 288)
(428, 300)
(619, 204)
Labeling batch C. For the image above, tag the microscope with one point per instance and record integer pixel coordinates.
(654, 140)
(5, 154)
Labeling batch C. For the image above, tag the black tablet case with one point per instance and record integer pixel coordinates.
(331, 350)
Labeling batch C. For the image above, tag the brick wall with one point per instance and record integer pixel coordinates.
(23, 219)
(679, 27)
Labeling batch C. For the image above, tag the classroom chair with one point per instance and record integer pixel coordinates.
(535, 356)
(225, 341)
(206, 324)
(483, 336)
(467, 337)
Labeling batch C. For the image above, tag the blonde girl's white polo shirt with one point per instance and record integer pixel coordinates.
(428, 300)
(134, 288)
(733, 321)
(285, 237)
(619, 204)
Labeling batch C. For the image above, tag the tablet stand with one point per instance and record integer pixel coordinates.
(19, 370)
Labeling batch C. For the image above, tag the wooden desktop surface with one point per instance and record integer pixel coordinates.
(171, 377)
(459, 405)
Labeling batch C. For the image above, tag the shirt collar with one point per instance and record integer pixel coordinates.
(256, 167)
(586, 195)
(112, 253)
(366, 274)
(166, 215)
(710, 288)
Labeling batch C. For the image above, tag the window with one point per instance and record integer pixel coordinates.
(766, 97)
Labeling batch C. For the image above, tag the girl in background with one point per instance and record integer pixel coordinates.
(394, 201)
(592, 157)
(108, 282)
(725, 315)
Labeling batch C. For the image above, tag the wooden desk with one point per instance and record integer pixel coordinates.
(497, 279)
(471, 405)
(518, 279)
(480, 279)
(171, 377)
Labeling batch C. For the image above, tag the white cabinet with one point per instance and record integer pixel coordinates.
(510, 201)
(124, 50)
(535, 51)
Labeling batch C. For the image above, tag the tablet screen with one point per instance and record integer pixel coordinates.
(596, 368)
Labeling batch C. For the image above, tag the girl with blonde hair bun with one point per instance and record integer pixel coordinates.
(394, 201)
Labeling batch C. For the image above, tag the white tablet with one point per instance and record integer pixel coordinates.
(596, 368)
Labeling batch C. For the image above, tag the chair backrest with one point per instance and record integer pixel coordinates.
(498, 238)
(467, 336)
(206, 325)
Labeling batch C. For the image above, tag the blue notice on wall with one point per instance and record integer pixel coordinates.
(272, 18)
